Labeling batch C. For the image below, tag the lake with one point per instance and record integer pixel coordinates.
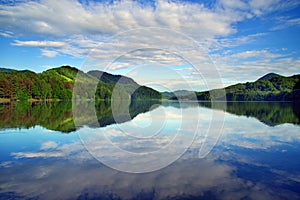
(150, 150)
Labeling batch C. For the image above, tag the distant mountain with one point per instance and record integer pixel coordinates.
(269, 76)
(110, 78)
(271, 87)
(125, 87)
(58, 83)
(178, 93)
(7, 71)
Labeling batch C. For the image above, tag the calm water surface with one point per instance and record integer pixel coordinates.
(249, 151)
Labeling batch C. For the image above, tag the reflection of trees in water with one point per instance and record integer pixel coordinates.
(120, 111)
(296, 110)
(58, 116)
(51, 115)
(270, 113)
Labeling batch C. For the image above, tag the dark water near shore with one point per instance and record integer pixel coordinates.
(243, 150)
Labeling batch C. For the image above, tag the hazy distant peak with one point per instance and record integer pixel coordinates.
(8, 71)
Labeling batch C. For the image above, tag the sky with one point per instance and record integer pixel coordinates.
(168, 45)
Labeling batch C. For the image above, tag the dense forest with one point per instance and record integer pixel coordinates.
(271, 87)
(58, 83)
(24, 85)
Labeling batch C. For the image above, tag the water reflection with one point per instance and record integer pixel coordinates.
(51, 115)
(252, 160)
(269, 113)
(58, 116)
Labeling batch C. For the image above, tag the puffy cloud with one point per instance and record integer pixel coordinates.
(70, 17)
(252, 64)
(123, 34)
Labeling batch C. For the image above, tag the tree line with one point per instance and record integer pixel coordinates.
(58, 83)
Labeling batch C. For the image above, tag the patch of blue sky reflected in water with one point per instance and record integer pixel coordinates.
(250, 160)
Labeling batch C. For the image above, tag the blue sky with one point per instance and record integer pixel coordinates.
(206, 44)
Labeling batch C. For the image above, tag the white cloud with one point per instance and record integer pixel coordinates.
(70, 17)
(48, 53)
(47, 67)
(53, 44)
(37, 154)
(126, 30)
(6, 34)
(234, 4)
(49, 145)
(5, 164)
(257, 54)
(285, 23)
(235, 41)
(252, 64)
(258, 7)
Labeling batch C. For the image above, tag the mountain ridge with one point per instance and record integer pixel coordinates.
(111, 78)
(270, 87)
(57, 84)
(269, 76)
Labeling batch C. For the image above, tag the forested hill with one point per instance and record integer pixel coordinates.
(58, 83)
(271, 87)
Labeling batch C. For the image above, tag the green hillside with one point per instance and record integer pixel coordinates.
(23, 85)
(58, 84)
(271, 87)
(125, 88)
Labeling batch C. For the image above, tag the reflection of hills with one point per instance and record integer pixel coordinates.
(58, 116)
(121, 112)
(53, 116)
(180, 104)
(269, 113)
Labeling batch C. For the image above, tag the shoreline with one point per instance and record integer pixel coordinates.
(7, 100)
